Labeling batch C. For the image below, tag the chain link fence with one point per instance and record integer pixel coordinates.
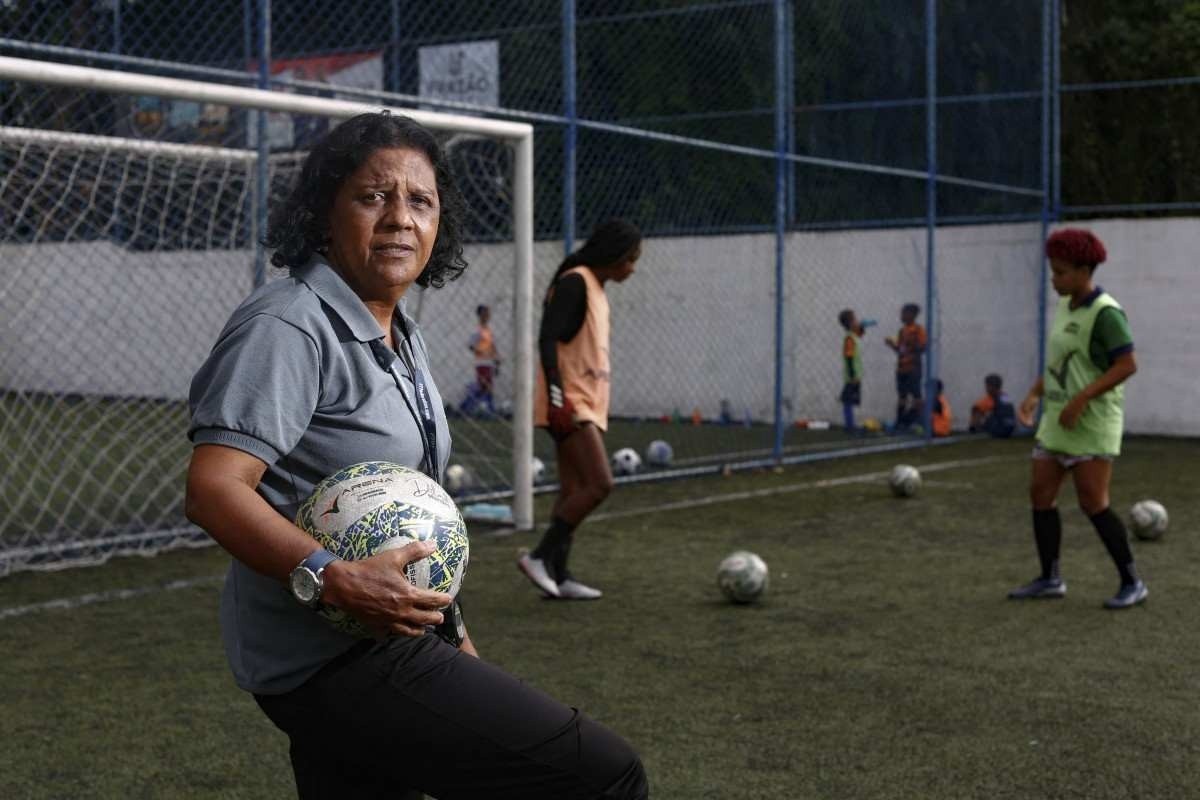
(786, 160)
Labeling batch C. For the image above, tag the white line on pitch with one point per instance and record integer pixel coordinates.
(733, 497)
(948, 484)
(66, 603)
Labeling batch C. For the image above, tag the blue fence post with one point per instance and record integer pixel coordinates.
(1047, 68)
(395, 54)
(1056, 108)
(931, 315)
(248, 16)
(116, 32)
(789, 34)
(781, 169)
(571, 131)
(263, 177)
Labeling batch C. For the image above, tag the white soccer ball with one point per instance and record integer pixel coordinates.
(659, 453)
(456, 478)
(375, 506)
(905, 480)
(742, 577)
(1148, 519)
(626, 461)
(539, 470)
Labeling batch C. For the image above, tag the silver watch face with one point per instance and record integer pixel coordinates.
(304, 585)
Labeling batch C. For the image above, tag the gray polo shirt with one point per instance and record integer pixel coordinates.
(293, 381)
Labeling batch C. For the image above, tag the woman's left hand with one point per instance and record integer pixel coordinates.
(1072, 411)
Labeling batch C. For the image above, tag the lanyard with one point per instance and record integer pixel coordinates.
(423, 413)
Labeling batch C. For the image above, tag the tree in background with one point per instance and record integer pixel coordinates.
(1135, 145)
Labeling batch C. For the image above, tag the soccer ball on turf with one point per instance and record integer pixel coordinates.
(1148, 519)
(538, 470)
(742, 577)
(456, 478)
(626, 461)
(375, 506)
(905, 480)
(659, 453)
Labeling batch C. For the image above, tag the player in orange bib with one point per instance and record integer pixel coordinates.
(571, 397)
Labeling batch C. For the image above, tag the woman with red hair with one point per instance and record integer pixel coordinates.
(1089, 356)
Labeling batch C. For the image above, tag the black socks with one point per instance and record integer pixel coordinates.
(1116, 541)
(555, 547)
(1047, 530)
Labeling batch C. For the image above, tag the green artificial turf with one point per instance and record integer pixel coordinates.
(884, 662)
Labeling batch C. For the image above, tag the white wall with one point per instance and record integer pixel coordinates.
(1153, 271)
(94, 318)
(694, 325)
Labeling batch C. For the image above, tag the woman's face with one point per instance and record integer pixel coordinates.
(625, 268)
(384, 222)
(1067, 278)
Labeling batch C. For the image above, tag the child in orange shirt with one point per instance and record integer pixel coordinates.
(909, 345)
(941, 418)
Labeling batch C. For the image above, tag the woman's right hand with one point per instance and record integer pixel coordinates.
(376, 592)
(1027, 410)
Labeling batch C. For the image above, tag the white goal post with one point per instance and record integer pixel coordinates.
(100, 157)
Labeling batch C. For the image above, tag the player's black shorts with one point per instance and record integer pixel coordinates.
(908, 384)
(851, 394)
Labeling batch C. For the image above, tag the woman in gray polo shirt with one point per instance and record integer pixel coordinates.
(312, 373)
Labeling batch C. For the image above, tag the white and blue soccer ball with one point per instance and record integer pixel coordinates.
(368, 508)
(456, 479)
(1148, 519)
(626, 461)
(742, 577)
(905, 480)
(538, 468)
(659, 453)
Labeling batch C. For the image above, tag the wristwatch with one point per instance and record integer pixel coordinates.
(307, 580)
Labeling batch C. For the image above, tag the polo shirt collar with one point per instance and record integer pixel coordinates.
(328, 285)
(1091, 298)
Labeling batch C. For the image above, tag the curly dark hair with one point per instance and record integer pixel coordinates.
(1078, 246)
(300, 226)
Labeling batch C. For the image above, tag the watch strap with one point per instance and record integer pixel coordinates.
(453, 629)
(318, 560)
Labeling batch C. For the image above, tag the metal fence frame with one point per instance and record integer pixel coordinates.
(257, 46)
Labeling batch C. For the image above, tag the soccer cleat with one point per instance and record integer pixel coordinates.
(1040, 589)
(535, 570)
(1128, 596)
(571, 589)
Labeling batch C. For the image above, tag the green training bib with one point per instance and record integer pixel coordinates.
(1069, 369)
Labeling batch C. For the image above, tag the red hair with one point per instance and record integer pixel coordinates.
(1077, 246)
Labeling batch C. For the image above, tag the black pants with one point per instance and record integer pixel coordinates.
(416, 715)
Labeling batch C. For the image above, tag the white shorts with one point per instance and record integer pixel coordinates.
(1065, 460)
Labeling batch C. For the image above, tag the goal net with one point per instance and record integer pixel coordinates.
(129, 219)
